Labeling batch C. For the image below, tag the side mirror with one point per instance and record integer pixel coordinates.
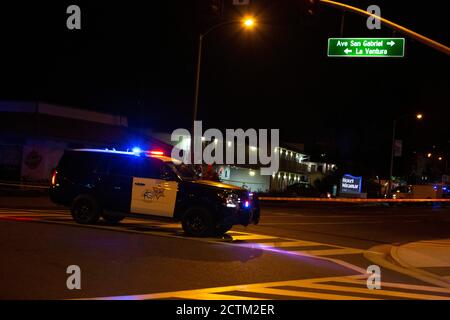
(167, 174)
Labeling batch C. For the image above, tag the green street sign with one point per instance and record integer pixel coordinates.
(366, 47)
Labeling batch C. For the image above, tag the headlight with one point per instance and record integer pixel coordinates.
(232, 200)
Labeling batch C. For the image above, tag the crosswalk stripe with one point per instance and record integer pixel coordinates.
(277, 288)
(405, 286)
(304, 294)
(250, 236)
(213, 296)
(381, 292)
(234, 233)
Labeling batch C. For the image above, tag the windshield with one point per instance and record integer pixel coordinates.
(184, 171)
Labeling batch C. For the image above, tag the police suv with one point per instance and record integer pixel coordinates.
(113, 185)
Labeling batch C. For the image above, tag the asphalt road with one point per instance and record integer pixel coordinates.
(298, 251)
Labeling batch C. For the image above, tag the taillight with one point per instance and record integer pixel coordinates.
(54, 177)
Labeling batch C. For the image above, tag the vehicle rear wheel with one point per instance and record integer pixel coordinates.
(112, 218)
(198, 221)
(85, 209)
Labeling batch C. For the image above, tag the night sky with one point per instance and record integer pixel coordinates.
(138, 60)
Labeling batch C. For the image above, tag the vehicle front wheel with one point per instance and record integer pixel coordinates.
(220, 230)
(85, 209)
(198, 222)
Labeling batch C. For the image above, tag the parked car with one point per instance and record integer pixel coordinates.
(418, 191)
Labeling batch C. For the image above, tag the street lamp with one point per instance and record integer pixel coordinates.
(418, 116)
(248, 23)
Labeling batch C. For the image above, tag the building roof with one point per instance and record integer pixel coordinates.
(63, 112)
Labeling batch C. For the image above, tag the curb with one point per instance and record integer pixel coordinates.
(396, 257)
(382, 256)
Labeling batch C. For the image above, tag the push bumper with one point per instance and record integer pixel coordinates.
(240, 216)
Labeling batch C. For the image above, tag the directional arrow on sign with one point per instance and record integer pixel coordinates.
(366, 47)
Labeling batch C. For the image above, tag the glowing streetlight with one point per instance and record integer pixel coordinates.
(419, 116)
(440, 158)
(248, 22)
(429, 155)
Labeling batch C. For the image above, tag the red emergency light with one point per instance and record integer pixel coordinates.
(157, 153)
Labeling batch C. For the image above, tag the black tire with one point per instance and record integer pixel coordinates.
(112, 218)
(198, 222)
(85, 209)
(220, 230)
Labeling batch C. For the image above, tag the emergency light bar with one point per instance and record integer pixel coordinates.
(157, 153)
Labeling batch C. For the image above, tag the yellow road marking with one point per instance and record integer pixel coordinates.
(214, 296)
(251, 236)
(404, 286)
(269, 288)
(241, 287)
(305, 294)
(381, 292)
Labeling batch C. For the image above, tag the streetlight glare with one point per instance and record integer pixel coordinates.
(248, 22)
(419, 116)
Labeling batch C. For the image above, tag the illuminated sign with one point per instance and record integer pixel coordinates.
(366, 47)
(351, 184)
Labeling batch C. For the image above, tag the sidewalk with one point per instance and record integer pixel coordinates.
(430, 256)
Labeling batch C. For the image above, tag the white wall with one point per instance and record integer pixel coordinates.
(39, 159)
(244, 177)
